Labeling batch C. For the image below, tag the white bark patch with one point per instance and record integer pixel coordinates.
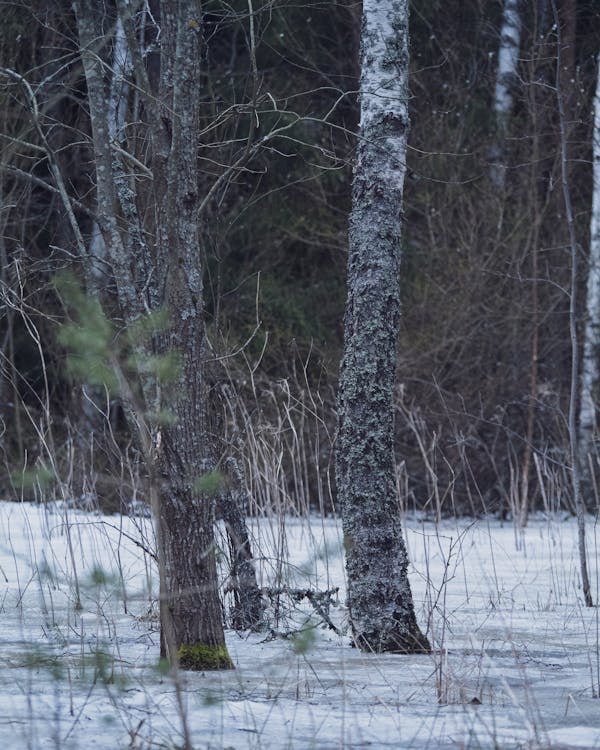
(589, 372)
(119, 88)
(508, 58)
(383, 84)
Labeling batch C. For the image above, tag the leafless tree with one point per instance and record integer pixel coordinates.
(590, 375)
(155, 259)
(506, 74)
(379, 596)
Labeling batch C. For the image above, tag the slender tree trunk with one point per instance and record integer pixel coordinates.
(506, 74)
(379, 596)
(574, 249)
(537, 204)
(93, 398)
(590, 374)
(248, 610)
(106, 194)
(566, 19)
(249, 607)
(9, 406)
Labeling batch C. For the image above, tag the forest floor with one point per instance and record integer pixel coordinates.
(516, 662)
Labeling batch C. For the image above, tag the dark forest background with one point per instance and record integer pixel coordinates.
(485, 356)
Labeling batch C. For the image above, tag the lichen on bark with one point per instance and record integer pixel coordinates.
(379, 596)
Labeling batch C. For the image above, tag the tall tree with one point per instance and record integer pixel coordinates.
(379, 595)
(156, 263)
(506, 73)
(92, 398)
(590, 374)
(564, 103)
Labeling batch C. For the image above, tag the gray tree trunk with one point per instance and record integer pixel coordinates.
(187, 515)
(564, 101)
(590, 372)
(379, 596)
(248, 610)
(93, 398)
(166, 274)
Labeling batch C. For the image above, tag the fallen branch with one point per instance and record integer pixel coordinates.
(320, 600)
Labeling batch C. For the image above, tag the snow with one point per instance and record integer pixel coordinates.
(516, 663)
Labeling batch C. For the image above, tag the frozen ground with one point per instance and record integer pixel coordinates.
(516, 663)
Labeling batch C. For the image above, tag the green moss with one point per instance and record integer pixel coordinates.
(211, 484)
(200, 657)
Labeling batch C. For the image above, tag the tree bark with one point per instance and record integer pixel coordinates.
(506, 74)
(379, 595)
(93, 398)
(187, 513)
(248, 610)
(590, 374)
(573, 335)
(167, 275)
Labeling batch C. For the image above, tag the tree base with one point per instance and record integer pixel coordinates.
(201, 657)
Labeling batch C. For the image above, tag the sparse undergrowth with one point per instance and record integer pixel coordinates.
(514, 663)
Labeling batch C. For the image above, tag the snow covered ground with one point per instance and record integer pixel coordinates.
(516, 663)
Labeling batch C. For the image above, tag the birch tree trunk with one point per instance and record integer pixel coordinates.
(590, 374)
(563, 100)
(379, 596)
(506, 73)
(93, 398)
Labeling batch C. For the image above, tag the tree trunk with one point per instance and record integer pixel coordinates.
(248, 610)
(167, 275)
(187, 513)
(506, 74)
(93, 398)
(578, 502)
(590, 374)
(379, 596)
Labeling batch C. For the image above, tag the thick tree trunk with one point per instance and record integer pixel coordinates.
(590, 374)
(187, 513)
(379, 596)
(167, 275)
